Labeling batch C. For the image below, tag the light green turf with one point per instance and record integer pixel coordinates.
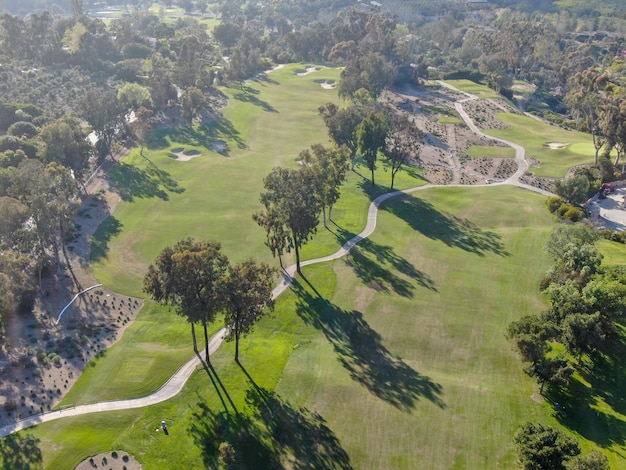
(211, 196)
(614, 253)
(423, 379)
(535, 136)
(491, 152)
(400, 349)
(481, 91)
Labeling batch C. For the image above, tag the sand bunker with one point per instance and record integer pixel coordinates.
(219, 146)
(326, 84)
(308, 70)
(184, 156)
(555, 145)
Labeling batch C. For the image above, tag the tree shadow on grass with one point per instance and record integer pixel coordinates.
(454, 231)
(20, 451)
(247, 97)
(362, 353)
(197, 136)
(369, 260)
(132, 182)
(270, 434)
(103, 235)
(604, 381)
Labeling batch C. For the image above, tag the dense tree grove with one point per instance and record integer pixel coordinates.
(586, 299)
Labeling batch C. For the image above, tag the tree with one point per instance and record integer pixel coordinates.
(192, 100)
(132, 96)
(190, 276)
(594, 460)
(64, 141)
(543, 447)
(582, 333)
(371, 134)
(102, 111)
(342, 124)
(572, 247)
(249, 288)
(290, 201)
(551, 371)
(328, 168)
(402, 143)
(574, 190)
(584, 98)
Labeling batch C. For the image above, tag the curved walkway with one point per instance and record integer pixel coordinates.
(175, 384)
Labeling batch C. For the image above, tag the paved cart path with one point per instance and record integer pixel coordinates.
(176, 383)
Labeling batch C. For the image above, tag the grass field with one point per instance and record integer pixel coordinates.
(535, 136)
(394, 357)
(481, 91)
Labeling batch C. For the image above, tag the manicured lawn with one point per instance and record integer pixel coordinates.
(394, 357)
(491, 152)
(481, 91)
(536, 136)
(400, 348)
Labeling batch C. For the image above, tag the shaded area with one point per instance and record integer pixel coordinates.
(376, 265)
(270, 434)
(455, 232)
(198, 136)
(132, 182)
(248, 96)
(20, 451)
(108, 229)
(362, 353)
(605, 379)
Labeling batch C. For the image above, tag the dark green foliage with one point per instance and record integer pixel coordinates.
(543, 447)
(9, 114)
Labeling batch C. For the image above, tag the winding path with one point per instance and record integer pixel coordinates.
(175, 384)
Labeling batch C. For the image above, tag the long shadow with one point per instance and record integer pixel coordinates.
(454, 231)
(20, 451)
(108, 229)
(362, 353)
(604, 380)
(246, 97)
(132, 182)
(217, 383)
(369, 260)
(198, 136)
(271, 434)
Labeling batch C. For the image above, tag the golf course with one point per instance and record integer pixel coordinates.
(393, 356)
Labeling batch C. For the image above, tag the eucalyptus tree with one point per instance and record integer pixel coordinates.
(249, 296)
(291, 205)
(191, 277)
(328, 169)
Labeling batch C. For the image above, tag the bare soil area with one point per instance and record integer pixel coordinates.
(44, 358)
(444, 155)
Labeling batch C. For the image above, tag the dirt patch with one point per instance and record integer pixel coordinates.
(116, 460)
(44, 359)
(537, 398)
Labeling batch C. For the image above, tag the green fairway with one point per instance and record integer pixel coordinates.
(400, 348)
(556, 149)
(481, 91)
(392, 357)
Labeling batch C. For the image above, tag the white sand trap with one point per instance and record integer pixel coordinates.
(184, 156)
(110, 461)
(556, 145)
(326, 84)
(307, 71)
